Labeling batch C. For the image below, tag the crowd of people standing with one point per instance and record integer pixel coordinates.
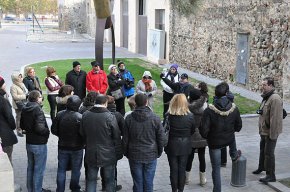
(89, 118)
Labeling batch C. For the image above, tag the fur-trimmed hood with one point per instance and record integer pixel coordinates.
(223, 113)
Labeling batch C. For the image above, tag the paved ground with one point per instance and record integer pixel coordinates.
(15, 52)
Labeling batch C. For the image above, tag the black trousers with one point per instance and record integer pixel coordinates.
(166, 99)
(120, 105)
(177, 166)
(267, 154)
(52, 103)
(224, 155)
(201, 158)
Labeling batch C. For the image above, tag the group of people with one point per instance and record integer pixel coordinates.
(88, 112)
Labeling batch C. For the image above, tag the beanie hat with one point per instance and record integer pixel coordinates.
(1, 81)
(194, 94)
(112, 66)
(174, 65)
(75, 63)
(119, 63)
(95, 63)
(184, 76)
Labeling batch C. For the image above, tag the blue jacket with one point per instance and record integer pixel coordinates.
(129, 85)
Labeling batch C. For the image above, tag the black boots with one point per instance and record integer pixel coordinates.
(258, 171)
(268, 178)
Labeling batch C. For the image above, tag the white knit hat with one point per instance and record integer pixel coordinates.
(147, 73)
(111, 66)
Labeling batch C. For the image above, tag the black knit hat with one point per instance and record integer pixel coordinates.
(75, 63)
(1, 81)
(184, 76)
(95, 63)
(194, 94)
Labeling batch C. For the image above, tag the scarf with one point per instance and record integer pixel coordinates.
(36, 84)
(267, 95)
(171, 75)
(147, 83)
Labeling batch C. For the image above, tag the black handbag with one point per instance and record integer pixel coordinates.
(166, 125)
(20, 104)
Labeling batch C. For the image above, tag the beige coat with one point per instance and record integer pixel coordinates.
(270, 123)
(17, 90)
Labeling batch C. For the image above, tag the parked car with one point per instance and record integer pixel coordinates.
(8, 18)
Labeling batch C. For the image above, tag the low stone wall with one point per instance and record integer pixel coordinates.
(6, 174)
(206, 41)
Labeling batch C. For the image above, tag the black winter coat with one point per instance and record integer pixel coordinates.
(220, 122)
(179, 87)
(34, 123)
(100, 131)
(7, 122)
(66, 126)
(121, 123)
(29, 83)
(143, 135)
(115, 82)
(78, 81)
(179, 142)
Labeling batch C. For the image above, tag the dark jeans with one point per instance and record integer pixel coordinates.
(143, 175)
(215, 159)
(37, 155)
(201, 158)
(177, 166)
(224, 155)
(69, 158)
(52, 103)
(92, 174)
(267, 154)
(166, 99)
(103, 177)
(232, 151)
(120, 105)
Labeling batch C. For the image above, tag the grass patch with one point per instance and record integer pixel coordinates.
(137, 67)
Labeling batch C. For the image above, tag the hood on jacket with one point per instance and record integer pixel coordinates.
(112, 107)
(147, 73)
(73, 103)
(141, 114)
(222, 106)
(30, 106)
(15, 78)
(62, 100)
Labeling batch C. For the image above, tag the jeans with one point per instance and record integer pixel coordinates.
(224, 155)
(215, 159)
(177, 166)
(68, 158)
(37, 155)
(92, 174)
(143, 175)
(267, 156)
(103, 177)
(52, 103)
(201, 158)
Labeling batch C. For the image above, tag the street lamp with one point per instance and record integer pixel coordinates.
(0, 16)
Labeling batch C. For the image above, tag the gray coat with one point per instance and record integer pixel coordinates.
(196, 107)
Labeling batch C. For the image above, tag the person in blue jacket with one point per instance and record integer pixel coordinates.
(128, 77)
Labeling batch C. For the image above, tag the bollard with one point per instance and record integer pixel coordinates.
(239, 172)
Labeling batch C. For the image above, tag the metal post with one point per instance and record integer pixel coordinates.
(0, 17)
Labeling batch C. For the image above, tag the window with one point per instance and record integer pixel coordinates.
(142, 7)
(160, 19)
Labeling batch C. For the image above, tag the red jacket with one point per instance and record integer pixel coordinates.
(97, 81)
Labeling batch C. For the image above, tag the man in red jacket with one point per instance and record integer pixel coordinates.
(96, 79)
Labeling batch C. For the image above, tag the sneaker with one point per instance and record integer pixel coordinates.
(45, 190)
(239, 153)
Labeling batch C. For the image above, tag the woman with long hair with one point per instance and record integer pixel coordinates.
(63, 94)
(179, 142)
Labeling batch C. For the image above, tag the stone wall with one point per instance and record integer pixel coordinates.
(206, 41)
(73, 15)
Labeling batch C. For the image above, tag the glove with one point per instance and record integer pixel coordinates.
(150, 95)
(162, 75)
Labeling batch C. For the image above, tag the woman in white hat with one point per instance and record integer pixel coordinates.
(148, 87)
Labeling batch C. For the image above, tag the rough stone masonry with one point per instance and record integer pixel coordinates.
(206, 41)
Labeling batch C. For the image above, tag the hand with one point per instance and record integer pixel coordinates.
(162, 75)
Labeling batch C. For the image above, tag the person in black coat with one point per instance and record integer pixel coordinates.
(34, 123)
(31, 81)
(179, 142)
(66, 126)
(7, 122)
(220, 121)
(100, 131)
(183, 86)
(77, 79)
